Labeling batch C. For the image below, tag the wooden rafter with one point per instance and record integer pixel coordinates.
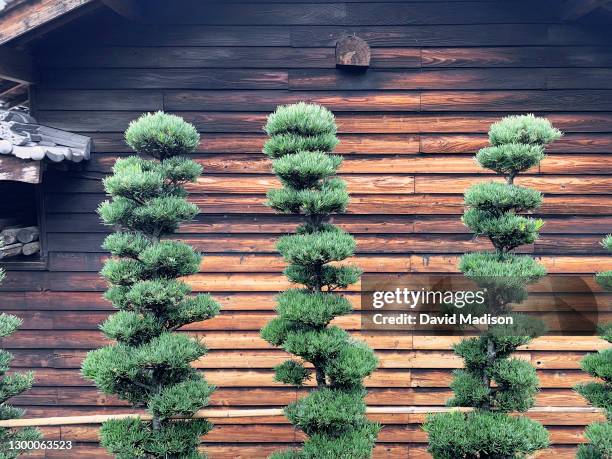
(10, 92)
(14, 96)
(6, 86)
(572, 10)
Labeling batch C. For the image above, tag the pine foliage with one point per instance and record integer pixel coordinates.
(599, 392)
(10, 386)
(302, 137)
(149, 365)
(493, 382)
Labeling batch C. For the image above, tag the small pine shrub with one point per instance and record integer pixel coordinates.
(10, 386)
(493, 382)
(599, 393)
(302, 137)
(150, 365)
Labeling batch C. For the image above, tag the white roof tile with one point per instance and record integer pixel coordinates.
(23, 137)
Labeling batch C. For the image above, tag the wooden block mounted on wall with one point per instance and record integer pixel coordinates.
(353, 53)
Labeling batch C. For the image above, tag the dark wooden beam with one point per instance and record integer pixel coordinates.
(7, 86)
(16, 66)
(9, 91)
(572, 10)
(130, 9)
(15, 96)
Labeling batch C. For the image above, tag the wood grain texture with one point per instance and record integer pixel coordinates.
(441, 72)
(26, 17)
(114, 121)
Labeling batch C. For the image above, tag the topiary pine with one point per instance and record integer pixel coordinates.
(599, 393)
(150, 365)
(10, 386)
(302, 137)
(493, 382)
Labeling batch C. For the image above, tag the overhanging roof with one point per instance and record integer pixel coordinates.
(26, 16)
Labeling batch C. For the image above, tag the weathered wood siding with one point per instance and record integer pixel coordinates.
(441, 73)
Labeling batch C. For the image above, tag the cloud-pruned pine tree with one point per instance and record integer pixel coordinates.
(302, 138)
(10, 386)
(149, 365)
(493, 382)
(599, 393)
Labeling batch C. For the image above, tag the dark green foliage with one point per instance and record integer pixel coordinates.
(492, 382)
(498, 199)
(10, 386)
(291, 372)
(162, 136)
(523, 129)
(132, 438)
(599, 392)
(607, 242)
(506, 271)
(599, 365)
(327, 411)
(605, 331)
(510, 158)
(315, 345)
(315, 309)
(287, 143)
(333, 277)
(506, 232)
(301, 119)
(483, 434)
(317, 248)
(333, 415)
(605, 280)
(306, 168)
(326, 198)
(517, 385)
(354, 444)
(352, 363)
(184, 398)
(599, 436)
(150, 366)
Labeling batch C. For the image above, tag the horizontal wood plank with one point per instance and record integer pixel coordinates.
(356, 224)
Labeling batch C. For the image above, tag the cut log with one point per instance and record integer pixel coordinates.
(8, 251)
(30, 248)
(8, 236)
(352, 52)
(28, 234)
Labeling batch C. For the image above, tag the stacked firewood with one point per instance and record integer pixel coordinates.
(19, 240)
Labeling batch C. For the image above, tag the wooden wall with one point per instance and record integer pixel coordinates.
(441, 73)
